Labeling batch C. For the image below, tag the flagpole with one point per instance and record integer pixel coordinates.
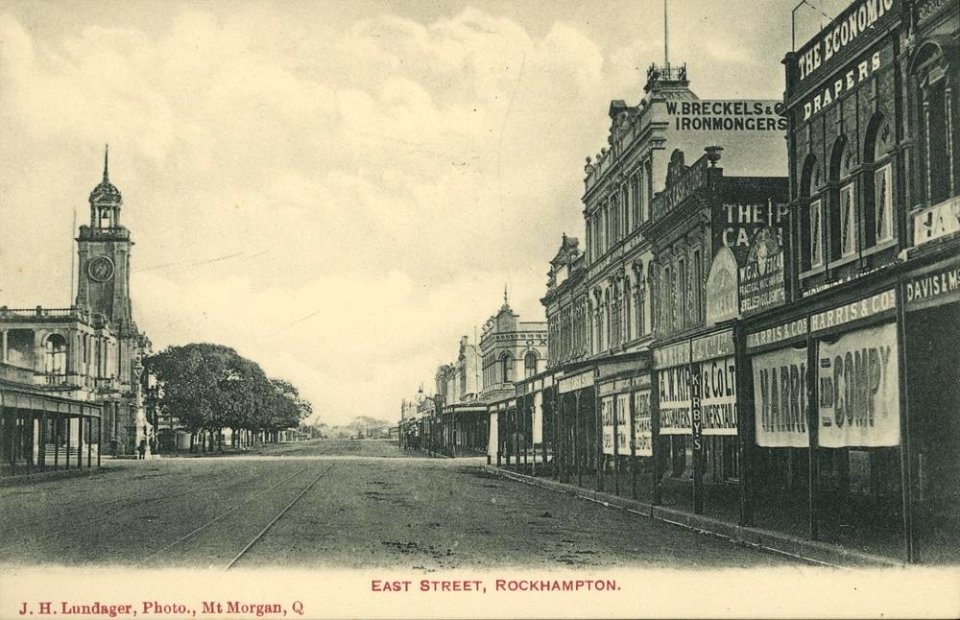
(666, 38)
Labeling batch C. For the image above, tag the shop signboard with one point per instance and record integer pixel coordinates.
(718, 386)
(859, 20)
(933, 289)
(538, 418)
(780, 398)
(623, 424)
(762, 276)
(576, 382)
(859, 393)
(869, 307)
(674, 385)
(777, 333)
(642, 423)
(721, 291)
(937, 221)
(606, 423)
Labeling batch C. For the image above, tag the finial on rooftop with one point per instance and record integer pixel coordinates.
(106, 163)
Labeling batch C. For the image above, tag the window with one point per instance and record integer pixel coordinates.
(647, 189)
(56, 355)
(816, 234)
(627, 209)
(635, 199)
(883, 203)
(667, 304)
(843, 211)
(696, 314)
(506, 361)
(680, 309)
(848, 221)
(530, 364)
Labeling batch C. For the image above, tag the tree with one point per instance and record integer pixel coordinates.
(210, 387)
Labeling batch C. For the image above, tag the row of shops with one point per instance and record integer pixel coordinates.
(766, 336)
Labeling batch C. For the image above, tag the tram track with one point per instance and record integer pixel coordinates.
(193, 534)
(54, 526)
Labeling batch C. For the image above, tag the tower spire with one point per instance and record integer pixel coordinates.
(106, 163)
(505, 301)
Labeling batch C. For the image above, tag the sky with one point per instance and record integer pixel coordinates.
(338, 190)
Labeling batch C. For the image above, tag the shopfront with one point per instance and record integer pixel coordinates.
(697, 424)
(626, 439)
(828, 384)
(932, 343)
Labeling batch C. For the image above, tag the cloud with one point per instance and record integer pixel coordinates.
(339, 198)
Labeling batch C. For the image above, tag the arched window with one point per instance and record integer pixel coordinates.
(938, 124)
(56, 356)
(811, 232)
(530, 364)
(878, 181)
(506, 365)
(844, 221)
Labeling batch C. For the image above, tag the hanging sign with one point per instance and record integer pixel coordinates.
(780, 397)
(859, 390)
(761, 278)
(674, 384)
(721, 290)
(696, 410)
(606, 419)
(623, 424)
(642, 423)
(718, 386)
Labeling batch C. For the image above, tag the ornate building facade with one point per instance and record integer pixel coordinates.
(92, 351)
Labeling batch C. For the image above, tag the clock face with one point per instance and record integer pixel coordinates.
(100, 268)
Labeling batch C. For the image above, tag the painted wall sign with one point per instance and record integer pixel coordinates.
(780, 398)
(673, 355)
(738, 223)
(777, 333)
(933, 288)
(692, 180)
(719, 344)
(642, 423)
(826, 96)
(721, 291)
(674, 386)
(929, 9)
(858, 20)
(864, 308)
(762, 283)
(859, 391)
(718, 391)
(726, 115)
(936, 221)
(606, 419)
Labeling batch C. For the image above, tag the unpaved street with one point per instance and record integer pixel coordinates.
(357, 504)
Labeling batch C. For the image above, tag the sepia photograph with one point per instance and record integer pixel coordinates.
(479, 309)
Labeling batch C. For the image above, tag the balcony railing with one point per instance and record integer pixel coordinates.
(41, 313)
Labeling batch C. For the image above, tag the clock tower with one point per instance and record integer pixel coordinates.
(104, 253)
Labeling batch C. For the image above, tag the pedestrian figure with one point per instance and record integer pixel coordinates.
(142, 450)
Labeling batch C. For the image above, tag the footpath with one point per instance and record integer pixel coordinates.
(818, 553)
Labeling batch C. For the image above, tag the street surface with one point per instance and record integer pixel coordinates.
(351, 504)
